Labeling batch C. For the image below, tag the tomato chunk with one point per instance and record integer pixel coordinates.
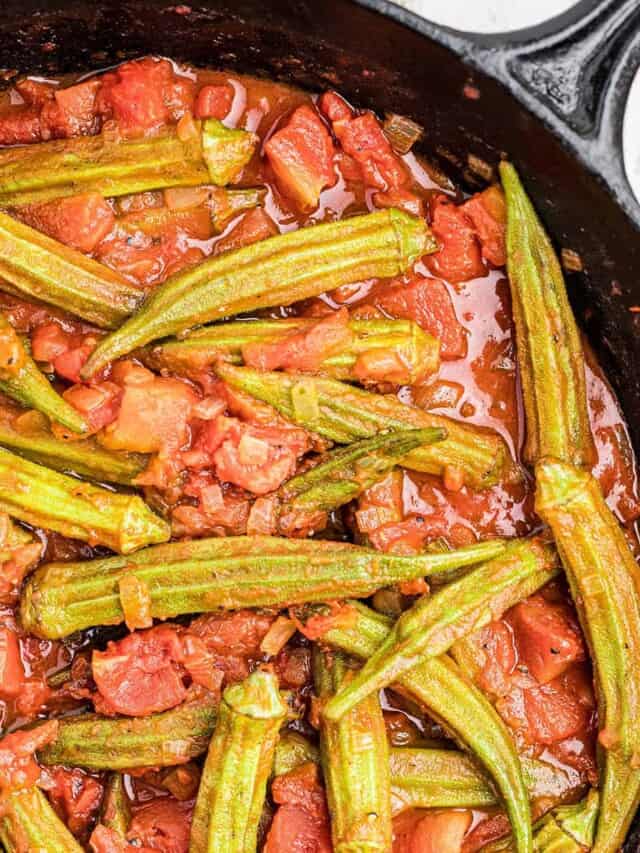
(20, 126)
(80, 221)
(428, 303)
(12, 676)
(18, 767)
(72, 111)
(99, 404)
(301, 156)
(487, 211)
(548, 637)
(301, 823)
(214, 102)
(66, 351)
(233, 639)
(432, 832)
(459, 257)
(75, 796)
(163, 824)
(253, 226)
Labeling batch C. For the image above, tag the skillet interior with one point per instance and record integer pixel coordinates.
(381, 64)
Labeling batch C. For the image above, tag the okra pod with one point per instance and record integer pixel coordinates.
(603, 577)
(293, 749)
(435, 622)
(36, 266)
(277, 271)
(28, 824)
(345, 473)
(438, 685)
(45, 498)
(84, 457)
(568, 829)
(355, 764)
(63, 167)
(345, 414)
(121, 743)
(26, 384)
(238, 766)
(418, 351)
(115, 811)
(208, 574)
(549, 348)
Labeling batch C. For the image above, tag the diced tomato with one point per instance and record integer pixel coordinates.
(500, 657)
(18, 768)
(363, 139)
(76, 797)
(20, 126)
(432, 832)
(106, 840)
(305, 350)
(143, 95)
(301, 824)
(487, 211)
(403, 537)
(234, 640)
(163, 824)
(490, 829)
(301, 156)
(140, 674)
(66, 351)
(154, 412)
(253, 226)
(427, 302)
(12, 676)
(72, 111)
(229, 520)
(339, 616)
(70, 363)
(35, 92)
(459, 257)
(402, 199)
(293, 667)
(99, 404)
(214, 101)
(548, 637)
(80, 221)
(50, 341)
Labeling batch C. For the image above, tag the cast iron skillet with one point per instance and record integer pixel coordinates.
(563, 128)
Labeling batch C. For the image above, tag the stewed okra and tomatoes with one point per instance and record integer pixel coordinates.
(316, 510)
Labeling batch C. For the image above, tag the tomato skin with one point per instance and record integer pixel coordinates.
(487, 211)
(431, 832)
(459, 258)
(163, 824)
(214, 102)
(301, 156)
(75, 796)
(80, 221)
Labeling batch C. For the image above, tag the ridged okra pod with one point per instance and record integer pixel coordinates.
(84, 457)
(435, 622)
(604, 581)
(45, 498)
(38, 267)
(63, 167)
(277, 271)
(28, 824)
(292, 750)
(550, 351)
(118, 743)
(418, 351)
(23, 381)
(115, 811)
(346, 473)
(231, 573)
(345, 414)
(438, 685)
(238, 766)
(355, 764)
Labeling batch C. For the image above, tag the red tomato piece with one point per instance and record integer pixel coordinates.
(163, 824)
(80, 221)
(301, 824)
(214, 101)
(301, 156)
(253, 226)
(233, 639)
(140, 674)
(70, 363)
(488, 213)
(432, 832)
(20, 126)
(402, 199)
(490, 829)
(75, 796)
(293, 667)
(498, 644)
(305, 350)
(334, 107)
(459, 257)
(12, 676)
(428, 302)
(35, 92)
(50, 341)
(71, 111)
(154, 412)
(548, 637)
(18, 768)
(99, 404)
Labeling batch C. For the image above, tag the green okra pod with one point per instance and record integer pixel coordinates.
(438, 685)
(84, 457)
(45, 498)
(28, 824)
(208, 574)
(239, 763)
(418, 351)
(121, 743)
(115, 811)
(435, 622)
(345, 414)
(63, 167)
(26, 384)
(36, 266)
(355, 764)
(292, 750)
(277, 271)
(603, 577)
(549, 348)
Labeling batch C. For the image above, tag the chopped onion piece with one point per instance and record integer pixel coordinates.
(401, 132)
